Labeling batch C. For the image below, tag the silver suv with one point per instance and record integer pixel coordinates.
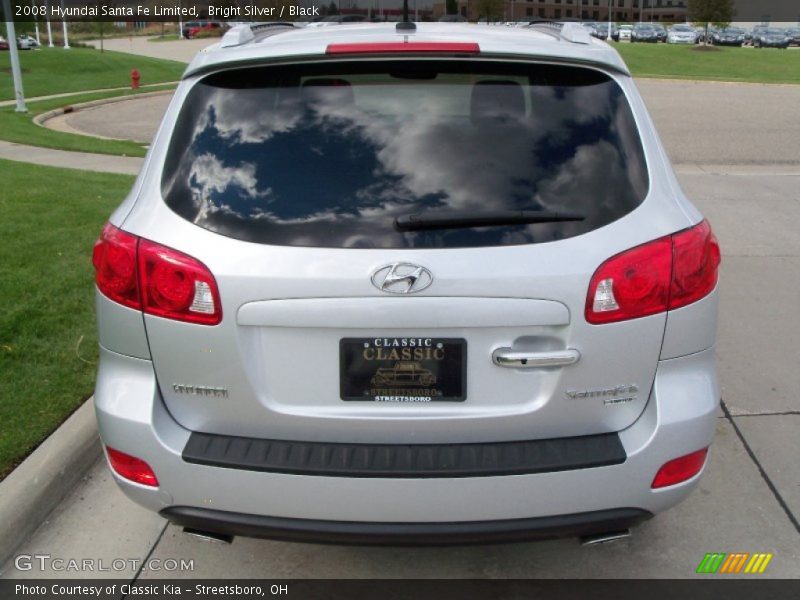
(323, 207)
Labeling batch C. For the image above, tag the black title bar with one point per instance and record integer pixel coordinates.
(142, 12)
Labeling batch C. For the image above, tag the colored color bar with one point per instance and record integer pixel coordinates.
(711, 562)
(740, 563)
(731, 560)
(767, 558)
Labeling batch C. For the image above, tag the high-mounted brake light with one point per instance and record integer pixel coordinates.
(661, 275)
(391, 47)
(131, 468)
(680, 469)
(160, 281)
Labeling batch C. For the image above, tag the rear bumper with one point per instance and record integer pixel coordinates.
(404, 534)
(679, 418)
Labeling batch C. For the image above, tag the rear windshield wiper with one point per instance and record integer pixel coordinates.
(466, 220)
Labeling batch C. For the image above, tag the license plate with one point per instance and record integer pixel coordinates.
(403, 369)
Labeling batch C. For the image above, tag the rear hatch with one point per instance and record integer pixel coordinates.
(402, 250)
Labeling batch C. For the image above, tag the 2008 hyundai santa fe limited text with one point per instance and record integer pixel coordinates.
(407, 285)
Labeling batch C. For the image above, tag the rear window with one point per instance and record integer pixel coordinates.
(340, 154)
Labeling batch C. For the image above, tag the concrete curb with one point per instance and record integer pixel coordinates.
(41, 119)
(35, 488)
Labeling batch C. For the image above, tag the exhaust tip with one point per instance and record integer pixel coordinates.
(209, 536)
(605, 538)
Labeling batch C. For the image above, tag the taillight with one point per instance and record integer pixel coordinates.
(696, 259)
(664, 274)
(177, 286)
(680, 469)
(158, 280)
(114, 259)
(131, 468)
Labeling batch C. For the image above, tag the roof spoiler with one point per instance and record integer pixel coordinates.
(242, 34)
(568, 31)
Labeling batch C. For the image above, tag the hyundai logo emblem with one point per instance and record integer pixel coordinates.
(402, 278)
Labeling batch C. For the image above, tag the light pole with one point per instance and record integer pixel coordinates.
(180, 22)
(610, 3)
(64, 27)
(36, 25)
(14, 55)
(47, 19)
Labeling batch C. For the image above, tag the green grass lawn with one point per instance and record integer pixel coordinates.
(20, 128)
(49, 220)
(54, 70)
(764, 65)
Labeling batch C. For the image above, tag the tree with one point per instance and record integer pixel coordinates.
(716, 12)
(333, 9)
(492, 10)
(451, 7)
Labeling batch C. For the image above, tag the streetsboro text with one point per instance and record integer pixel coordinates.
(58, 12)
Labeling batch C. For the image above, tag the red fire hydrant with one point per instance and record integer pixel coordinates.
(135, 79)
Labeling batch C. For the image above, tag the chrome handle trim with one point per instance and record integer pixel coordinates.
(508, 357)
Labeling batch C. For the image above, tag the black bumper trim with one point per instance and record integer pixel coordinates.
(405, 534)
(405, 460)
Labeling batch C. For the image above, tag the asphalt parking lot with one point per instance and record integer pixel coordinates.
(738, 157)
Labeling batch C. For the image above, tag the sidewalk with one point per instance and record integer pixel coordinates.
(84, 161)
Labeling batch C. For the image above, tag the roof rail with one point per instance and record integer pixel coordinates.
(241, 34)
(569, 31)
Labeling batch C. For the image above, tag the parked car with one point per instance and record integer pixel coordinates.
(3, 43)
(518, 234)
(600, 30)
(192, 29)
(772, 37)
(661, 31)
(345, 18)
(703, 34)
(793, 33)
(25, 42)
(682, 34)
(757, 30)
(730, 36)
(625, 32)
(644, 32)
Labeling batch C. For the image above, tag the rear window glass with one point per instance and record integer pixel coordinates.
(341, 154)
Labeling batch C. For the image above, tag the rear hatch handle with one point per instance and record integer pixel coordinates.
(508, 357)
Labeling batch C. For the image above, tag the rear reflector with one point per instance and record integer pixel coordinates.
(131, 468)
(160, 281)
(680, 469)
(382, 48)
(661, 275)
